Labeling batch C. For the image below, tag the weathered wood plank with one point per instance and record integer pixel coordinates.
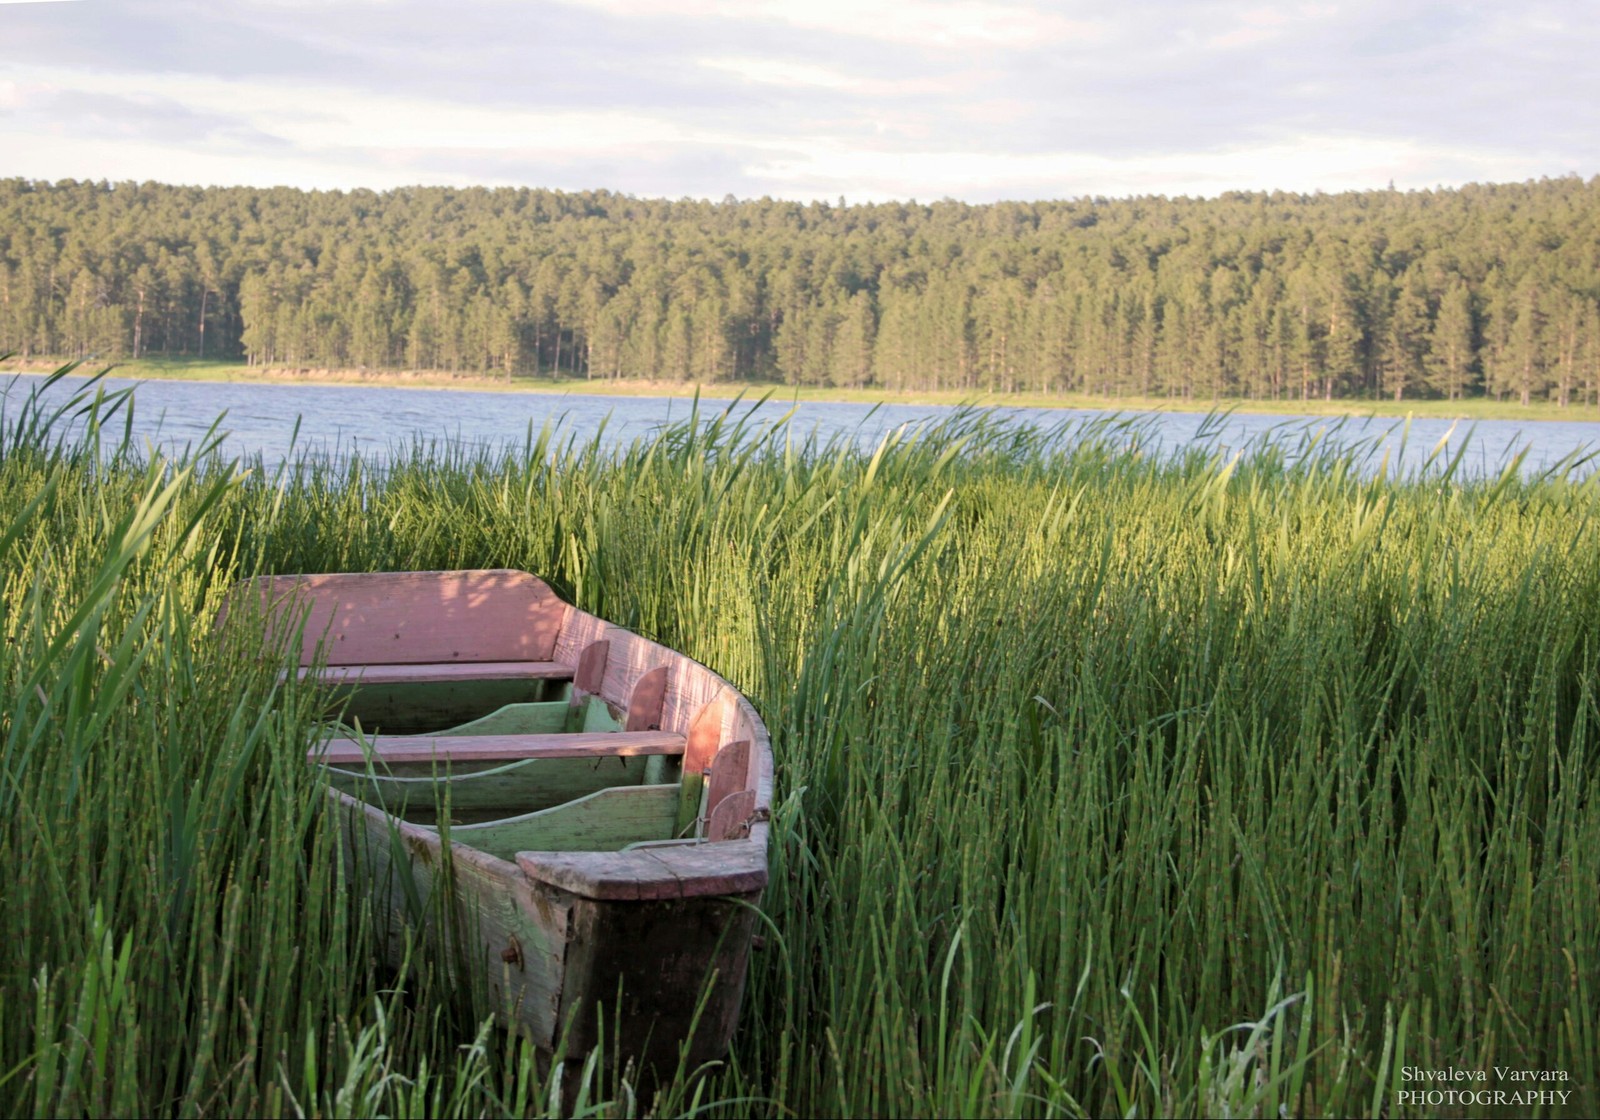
(505, 791)
(730, 820)
(591, 667)
(677, 871)
(660, 980)
(644, 703)
(601, 822)
(482, 748)
(705, 736)
(579, 630)
(516, 931)
(628, 658)
(440, 671)
(690, 685)
(729, 773)
(693, 687)
(746, 724)
(371, 618)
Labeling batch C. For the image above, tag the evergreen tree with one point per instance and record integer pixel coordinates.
(1447, 292)
(1449, 351)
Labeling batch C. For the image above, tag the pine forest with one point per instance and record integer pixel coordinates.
(1485, 290)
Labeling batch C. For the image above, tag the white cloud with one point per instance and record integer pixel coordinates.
(326, 117)
(802, 99)
(931, 23)
(56, 157)
(324, 136)
(800, 75)
(1301, 164)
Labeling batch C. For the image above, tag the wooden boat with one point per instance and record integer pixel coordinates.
(594, 804)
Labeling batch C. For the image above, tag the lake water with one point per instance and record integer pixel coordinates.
(334, 420)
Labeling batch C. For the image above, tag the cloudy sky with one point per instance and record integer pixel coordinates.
(869, 99)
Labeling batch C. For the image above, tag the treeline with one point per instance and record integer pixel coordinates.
(1451, 293)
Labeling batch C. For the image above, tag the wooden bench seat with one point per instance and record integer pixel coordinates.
(498, 748)
(441, 671)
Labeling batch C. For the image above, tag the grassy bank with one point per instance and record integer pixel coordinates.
(1477, 408)
(1104, 785)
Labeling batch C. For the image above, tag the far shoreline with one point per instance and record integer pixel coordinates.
(1477, 408)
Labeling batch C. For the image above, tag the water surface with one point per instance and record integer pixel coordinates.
(330, 421)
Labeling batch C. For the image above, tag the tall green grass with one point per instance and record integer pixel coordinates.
(1106, 783)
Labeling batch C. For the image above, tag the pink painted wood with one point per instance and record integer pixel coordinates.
(397, 618)
(730, 820)
(591, 668)
(728, 772)
(450, 671)
(705, 735)
(690, 871)
(644, 704)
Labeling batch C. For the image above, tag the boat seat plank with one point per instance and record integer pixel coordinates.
(605, 821)
(428, 672)
(487, 748)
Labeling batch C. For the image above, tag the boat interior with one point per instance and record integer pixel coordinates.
(473, 705)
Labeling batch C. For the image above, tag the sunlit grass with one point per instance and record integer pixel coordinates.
(1105, 784)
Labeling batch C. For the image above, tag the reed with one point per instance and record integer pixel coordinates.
(1107, 782)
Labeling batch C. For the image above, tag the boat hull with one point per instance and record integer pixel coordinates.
(645, 949)
(658, 980)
